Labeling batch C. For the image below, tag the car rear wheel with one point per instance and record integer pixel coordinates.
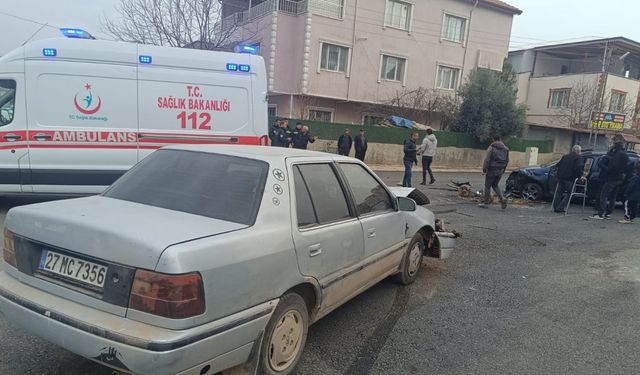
(285, 336)
(419, 197)
(412, 261)
(532, 191)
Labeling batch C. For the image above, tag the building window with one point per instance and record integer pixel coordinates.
(453, 28)
(373, 119)
(398, 14)
(559, 98)
(320, 114)
(272, 111)
(393, 68)
(334, 58)
(618, 100)
(328, 8)
(447, 78)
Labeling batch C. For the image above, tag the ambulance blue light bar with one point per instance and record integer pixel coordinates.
(144, 59)
(245, 68)
(247, 49)
(232, 67)
(49, 52)
(75, 33)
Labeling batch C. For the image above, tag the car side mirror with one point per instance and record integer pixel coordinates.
(406, 204)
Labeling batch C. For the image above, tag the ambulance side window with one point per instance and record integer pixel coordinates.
(7, 101)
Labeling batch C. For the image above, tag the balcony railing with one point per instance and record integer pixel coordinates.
(329, 8)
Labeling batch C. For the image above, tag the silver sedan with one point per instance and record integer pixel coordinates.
(210, 258)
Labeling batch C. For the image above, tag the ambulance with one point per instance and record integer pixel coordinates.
(76, 114)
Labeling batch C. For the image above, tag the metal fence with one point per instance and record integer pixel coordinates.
(329, 8)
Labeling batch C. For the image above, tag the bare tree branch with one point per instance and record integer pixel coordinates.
(175, 23)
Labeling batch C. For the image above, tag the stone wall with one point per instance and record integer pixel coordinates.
(446, 157)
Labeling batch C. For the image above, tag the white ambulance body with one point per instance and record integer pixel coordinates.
(75, 114)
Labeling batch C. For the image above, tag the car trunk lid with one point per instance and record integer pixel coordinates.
(113, 230)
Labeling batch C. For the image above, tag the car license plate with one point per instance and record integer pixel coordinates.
(73, 268)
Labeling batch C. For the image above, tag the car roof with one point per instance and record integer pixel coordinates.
(257, 152)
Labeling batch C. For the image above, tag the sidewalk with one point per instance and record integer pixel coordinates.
(418, 168)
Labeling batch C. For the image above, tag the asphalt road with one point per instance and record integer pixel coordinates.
(526, 292)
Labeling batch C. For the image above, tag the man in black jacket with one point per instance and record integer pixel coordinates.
(302, 139)
(569, 168)
(612, 171)
(410, 158)
(361, 145)
(344, 143)
(495, 163)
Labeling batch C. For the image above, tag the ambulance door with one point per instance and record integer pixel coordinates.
(13, 134)
(82, 129)
(199, 104)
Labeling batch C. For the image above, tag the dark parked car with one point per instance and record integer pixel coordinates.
(539, 182)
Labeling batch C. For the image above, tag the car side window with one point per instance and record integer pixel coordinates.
(369, 195)
(327, 198)
(304, 207)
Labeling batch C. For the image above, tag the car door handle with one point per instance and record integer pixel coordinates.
(315, 250)
(41, 137)
(12, 137)
(371, 232)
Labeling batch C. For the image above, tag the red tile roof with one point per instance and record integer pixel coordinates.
(502, 5)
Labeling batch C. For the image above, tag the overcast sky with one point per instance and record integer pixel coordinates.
(543, 21)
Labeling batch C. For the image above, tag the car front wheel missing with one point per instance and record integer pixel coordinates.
(285, 336)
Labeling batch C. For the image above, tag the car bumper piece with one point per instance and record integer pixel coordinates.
(128, 345)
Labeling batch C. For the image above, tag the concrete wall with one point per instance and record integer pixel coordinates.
(446, 157)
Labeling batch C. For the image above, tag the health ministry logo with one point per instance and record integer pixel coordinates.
(87, 105)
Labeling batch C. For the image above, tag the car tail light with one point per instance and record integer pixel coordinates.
(170, 296)
(8, 251)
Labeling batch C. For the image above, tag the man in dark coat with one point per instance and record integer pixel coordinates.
(344, 143)
(569, 168)
(302, 139)
(361, 145)
(280, 138)
(410, 158)
(495, 163)
(613, 170)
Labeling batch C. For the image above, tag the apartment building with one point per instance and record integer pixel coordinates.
(336, 60)
(563, 84)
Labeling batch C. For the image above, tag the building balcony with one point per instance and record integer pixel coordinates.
(259, 8)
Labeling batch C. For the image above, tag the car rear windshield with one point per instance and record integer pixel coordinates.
(213, 185)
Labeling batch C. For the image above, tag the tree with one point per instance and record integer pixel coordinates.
(175, 23)
(489, 105)
(584, 99)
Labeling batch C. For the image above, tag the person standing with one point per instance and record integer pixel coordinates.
(293, 133)
(361, 145)
(495, 163)
(344, 143)
(632, 197)
(302, 139)
(280, 138)
(409, 159)
(612, 172)
(428, 151)
(569, 168)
